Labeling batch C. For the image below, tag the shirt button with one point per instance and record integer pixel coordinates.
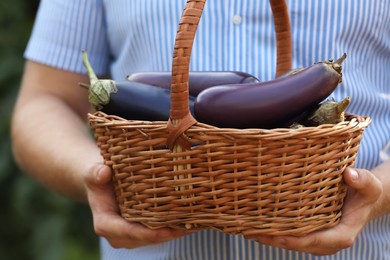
(237, 19)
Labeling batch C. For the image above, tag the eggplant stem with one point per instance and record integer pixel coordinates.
(343, 104)
(337, 64)
(341, 59)
(91, 73)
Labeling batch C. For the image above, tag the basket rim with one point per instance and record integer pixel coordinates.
(101, 119)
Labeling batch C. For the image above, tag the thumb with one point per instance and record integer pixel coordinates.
(99, 189)
(98, 174)
(363, 183)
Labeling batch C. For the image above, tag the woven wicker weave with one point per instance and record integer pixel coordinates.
(186, 174)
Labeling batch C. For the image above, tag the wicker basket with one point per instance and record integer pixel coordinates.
(186, 174)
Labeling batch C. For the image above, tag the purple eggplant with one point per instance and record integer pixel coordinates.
(197, 80)
(138, 101)
(268, 104)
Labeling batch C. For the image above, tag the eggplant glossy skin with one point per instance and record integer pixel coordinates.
(267, 104)
(198, 80)
(138, 101)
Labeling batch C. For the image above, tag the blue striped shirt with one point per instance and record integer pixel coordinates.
(126, 36)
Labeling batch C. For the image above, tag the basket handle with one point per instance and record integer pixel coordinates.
(180, 117)
(283, 36)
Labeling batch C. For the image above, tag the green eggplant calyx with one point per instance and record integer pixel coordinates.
(99, 90)
(329, 112)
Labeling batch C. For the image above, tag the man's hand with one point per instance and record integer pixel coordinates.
(364, 190)
(107, 221)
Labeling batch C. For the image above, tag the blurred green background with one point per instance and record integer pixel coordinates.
(34, 222)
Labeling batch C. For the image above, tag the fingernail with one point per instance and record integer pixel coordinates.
(99, 174)
(354, 174)
(281, 241)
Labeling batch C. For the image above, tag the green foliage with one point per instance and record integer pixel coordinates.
(35, 222)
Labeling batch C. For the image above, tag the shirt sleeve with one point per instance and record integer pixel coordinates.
(62, 29)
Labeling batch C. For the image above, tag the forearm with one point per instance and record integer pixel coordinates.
(50, 136)
(53, 144)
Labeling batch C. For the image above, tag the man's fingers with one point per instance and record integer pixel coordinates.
(363, 183)
(122, 234)
(325, 242)
(98, 174)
